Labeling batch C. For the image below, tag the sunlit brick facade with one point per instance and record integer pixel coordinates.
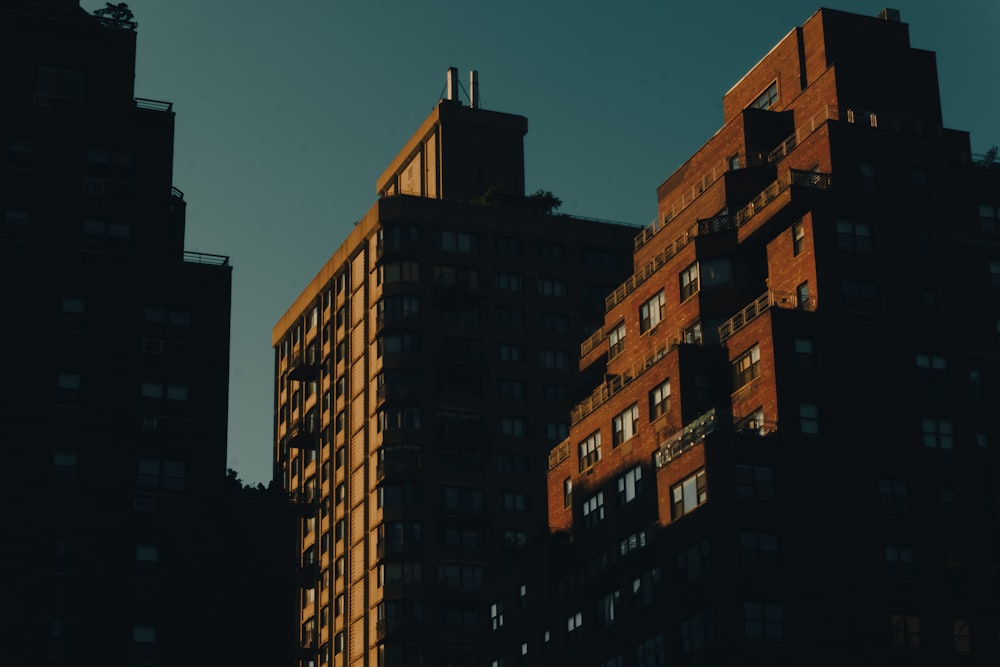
(792, 458)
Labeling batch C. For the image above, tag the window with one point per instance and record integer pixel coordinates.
(633, 542)
(938, 433)
(511, 389)
(809, 418)
(20, 151)
(932, 368)
(554, 393)
(754, 481)
(854, 235)
(461, 577)
(395, 308)
(659, 400)
(624, 425)
(804, 356)
(590, 450)
(895, 495)
(398, 493)
(574, 622)
(689, 281)
(696, 633)
(651, 312)
(868, 172)
(514, 502)
(644, 587)
(63, 466)
(551, 287)
(630, 485)
(393, 572)
(496, 615)
(508, 246)
(157, 474)
(650, 653)
(616, 341)
(404, 270)
(605, 609)
(802, 301)
(512, 282)
(458, 241)
(995, 272)
(688, 495)
(555, 322)
(746, 367)
(733, 161)
(989, 217)
(105, 235)
(554, 359)
(514, 539)
(593, 510)
(60, 82)
(758, 548)
(905, 631)
(761, 619)
(513, 352)
(767, 99)
(716, 272)
(692, 563)
(462, 500)
(899, 561)
(567, 486)
(556, 431)
(68, 388)
(390, 419)
(961, 635)
(555, 252)
(798, 238)
(510, 317)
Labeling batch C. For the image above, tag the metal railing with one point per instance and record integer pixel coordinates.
(689, 436)
(702, 227)
(616, 384)
(152, 105)
(205, 258)
(795, 177)
(595, 339)
(761, 304)
(558, 454)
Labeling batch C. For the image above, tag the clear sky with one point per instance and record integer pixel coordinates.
(287, 112)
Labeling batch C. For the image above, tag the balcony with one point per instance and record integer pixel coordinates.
(604, 392)
(303, 435)
(762, 304)
(796, 178)
(685, 439)
(302, 369)
(701, 227)
(205, 258)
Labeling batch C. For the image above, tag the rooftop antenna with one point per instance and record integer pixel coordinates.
(452, 93)
(474, 89)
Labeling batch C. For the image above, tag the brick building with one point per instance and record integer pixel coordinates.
(421, 379)
(120, 545)
(791, 457)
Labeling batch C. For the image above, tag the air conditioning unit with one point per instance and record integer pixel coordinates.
(152, 346)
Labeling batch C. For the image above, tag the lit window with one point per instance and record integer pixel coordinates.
(593, 510)
(616, 341)
(659, 400)
(630, 485)
(767, 99)
(496, 615)
(574, 622)
(689, 281)
(746, 367)
(590, 450)
(651, 312)
(624, 425)
(798, 238)
(688, 495)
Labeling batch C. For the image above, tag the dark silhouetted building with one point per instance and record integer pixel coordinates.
(792, 458)
(421, 379)
(119, 545)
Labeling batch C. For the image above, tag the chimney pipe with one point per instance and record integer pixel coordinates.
(452, 93)
(474, 89)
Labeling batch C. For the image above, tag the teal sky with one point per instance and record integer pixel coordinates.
(288, 112)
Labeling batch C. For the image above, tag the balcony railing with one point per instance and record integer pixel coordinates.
(205, 258)
(689, 436)
(595, 339)
(719, 223)
(152, 105)
(616, 384)
(761, 304)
